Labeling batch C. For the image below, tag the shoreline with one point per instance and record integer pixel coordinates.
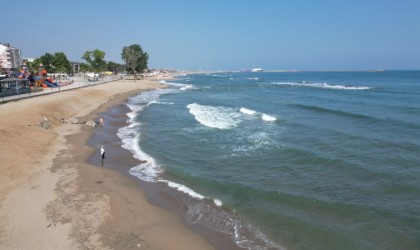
(122, 160)
(50, 194)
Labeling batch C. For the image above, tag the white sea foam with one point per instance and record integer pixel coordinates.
(131, 116)
(214, 117)
(268, 118)
(147, 171)
(185, 190)
(264, 117)
(247, 111)
(164, 103)
(130, 137)
(218, 202)
(242, 230)
(187, 87)
(209, 214)
(182, 86)
(323, 85)
(160, 102)
(260, 139)
(256, 142)
(244, 234)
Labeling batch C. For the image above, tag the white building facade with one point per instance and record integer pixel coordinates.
(10, 58)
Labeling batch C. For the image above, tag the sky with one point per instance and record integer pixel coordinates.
(223, 35)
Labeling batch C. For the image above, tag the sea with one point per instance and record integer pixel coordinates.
(286, 160)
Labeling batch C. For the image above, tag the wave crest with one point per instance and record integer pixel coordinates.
(247, 111)
(323, 85)
(268, 118)
(214, 117)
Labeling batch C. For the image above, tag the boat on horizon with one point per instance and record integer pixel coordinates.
(251, 70)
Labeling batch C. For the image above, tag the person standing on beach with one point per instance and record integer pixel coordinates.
(101, 121)
(102, 156)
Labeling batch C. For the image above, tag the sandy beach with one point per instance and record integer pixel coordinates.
(51, 198)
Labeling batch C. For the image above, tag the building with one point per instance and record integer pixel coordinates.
(28, 59)
(10, 58)
(76, 67)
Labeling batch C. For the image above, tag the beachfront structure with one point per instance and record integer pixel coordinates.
(75, 66)
(28, 59)
(10, 58)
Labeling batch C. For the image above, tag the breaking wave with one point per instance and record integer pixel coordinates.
(323, 85)
(214, 117)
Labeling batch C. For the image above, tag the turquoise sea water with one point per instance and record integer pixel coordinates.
(294, 160)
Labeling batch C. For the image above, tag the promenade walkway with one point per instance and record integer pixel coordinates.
(78, 82)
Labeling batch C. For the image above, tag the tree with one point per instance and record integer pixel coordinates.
(115, 67)
(56, 62)
(30, 65)
(46, 60)
(96, 60)
(61, 63)
(84, 67)
(135, 59)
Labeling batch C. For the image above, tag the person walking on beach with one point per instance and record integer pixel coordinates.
(102, 156)
(101, 121)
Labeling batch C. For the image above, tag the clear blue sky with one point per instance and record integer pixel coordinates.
(223, 35)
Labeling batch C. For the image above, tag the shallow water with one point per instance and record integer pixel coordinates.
(300, 160)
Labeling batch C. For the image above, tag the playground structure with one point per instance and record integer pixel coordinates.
(13, 88)
(43, 79)
(26, 84)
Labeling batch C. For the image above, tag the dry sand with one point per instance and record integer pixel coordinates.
(50, 198)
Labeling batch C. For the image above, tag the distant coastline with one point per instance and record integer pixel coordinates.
(295, 70)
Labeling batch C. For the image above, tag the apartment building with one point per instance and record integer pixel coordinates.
(10, 58)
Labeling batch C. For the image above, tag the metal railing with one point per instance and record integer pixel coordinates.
(18, 89)
(14, 87)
